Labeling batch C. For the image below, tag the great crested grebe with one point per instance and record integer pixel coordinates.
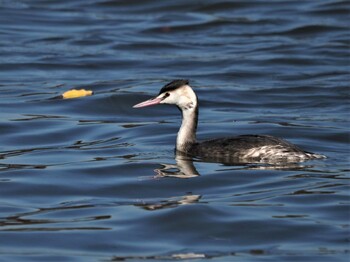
(240, 148)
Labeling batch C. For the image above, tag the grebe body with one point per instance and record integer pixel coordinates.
(243, 148)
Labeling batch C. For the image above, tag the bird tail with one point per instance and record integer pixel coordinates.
(315, 156)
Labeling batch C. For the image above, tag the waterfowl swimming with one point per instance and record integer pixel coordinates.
(237, 148)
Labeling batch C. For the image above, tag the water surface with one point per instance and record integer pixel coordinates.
(92, 179)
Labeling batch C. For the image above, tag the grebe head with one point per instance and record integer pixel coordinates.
(177, 92)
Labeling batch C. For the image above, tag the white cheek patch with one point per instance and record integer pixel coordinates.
(168, 100)
(185, 102)
(183, 97)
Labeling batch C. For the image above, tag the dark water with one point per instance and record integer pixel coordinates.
(92, 179)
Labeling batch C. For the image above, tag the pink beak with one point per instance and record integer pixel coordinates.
(150, 102)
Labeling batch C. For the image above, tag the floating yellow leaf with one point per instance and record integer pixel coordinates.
(74, 93)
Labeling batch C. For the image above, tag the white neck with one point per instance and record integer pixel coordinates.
(187, 133)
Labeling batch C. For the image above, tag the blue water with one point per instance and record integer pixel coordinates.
(92, 179)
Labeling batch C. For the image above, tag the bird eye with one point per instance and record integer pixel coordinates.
(166, 95)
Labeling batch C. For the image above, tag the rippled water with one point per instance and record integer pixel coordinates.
(92, 179)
